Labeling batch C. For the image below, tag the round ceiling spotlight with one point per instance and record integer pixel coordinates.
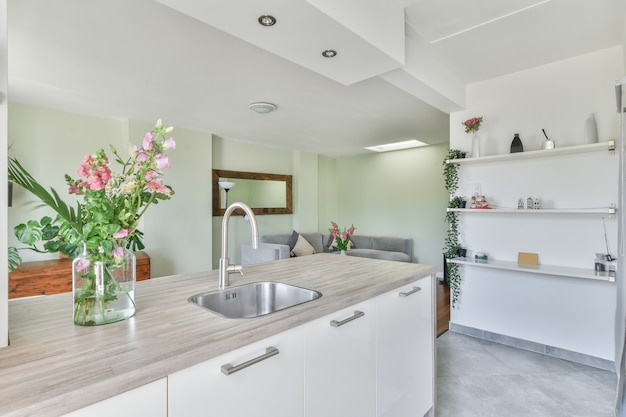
(262, 107)
(329, 53)
(267, 20)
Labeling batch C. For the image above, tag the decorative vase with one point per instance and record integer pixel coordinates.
(103, 287)
(475, 145)
(343, 253)
(516, 144)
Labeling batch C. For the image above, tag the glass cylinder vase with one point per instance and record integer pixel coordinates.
(475, 145)
(103, 286)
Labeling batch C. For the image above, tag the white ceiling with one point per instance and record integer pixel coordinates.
(142, 59)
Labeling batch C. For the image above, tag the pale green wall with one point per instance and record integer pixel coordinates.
(396, 194)
(178, 237)
(327, 192)
(242, 156)
(51, 143)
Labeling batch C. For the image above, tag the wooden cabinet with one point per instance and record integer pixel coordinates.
(340, 363)
(148, 400)
(405, 350)
(270, 386)
(55, 276)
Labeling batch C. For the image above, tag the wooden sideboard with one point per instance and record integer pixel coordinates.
(55, 276)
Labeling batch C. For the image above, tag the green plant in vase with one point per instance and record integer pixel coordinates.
(103, 228)
(451, 243)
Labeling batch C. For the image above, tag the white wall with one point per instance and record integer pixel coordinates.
(566, 313)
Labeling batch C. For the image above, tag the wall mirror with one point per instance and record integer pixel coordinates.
(264, 193)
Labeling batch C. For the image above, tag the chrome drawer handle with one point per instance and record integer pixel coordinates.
(230, 369)
(413, 291)
(356, 315)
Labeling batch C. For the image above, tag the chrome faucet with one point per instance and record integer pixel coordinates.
(224, 268)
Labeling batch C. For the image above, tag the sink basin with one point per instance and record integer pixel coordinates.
(254, 300)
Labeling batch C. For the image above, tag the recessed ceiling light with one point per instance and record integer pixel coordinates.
(413, 143)
(329, 53)
(262, 107)
(267, 20)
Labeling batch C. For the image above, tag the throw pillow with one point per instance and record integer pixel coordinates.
(292, 240)
(302, 247)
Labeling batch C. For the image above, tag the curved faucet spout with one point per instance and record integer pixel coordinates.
(224, 267)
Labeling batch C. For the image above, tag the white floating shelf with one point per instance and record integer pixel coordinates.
(599, 211)
(562, 271)
(609, 146)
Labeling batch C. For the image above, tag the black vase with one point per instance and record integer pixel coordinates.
(516, 145)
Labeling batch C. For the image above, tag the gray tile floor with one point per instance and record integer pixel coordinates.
(478, 378)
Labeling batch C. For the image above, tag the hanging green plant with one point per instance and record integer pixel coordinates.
(451, 244)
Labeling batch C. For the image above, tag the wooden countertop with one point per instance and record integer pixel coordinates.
(53, 367)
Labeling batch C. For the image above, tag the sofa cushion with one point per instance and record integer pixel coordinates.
(293, 239)
(302, 247)
(363, 242)
(392, 244)
(315, 239)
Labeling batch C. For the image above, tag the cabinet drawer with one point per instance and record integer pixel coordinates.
(258, 384)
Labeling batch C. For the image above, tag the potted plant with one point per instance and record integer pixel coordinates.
(452, 274)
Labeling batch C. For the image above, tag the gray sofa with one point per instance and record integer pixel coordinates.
(275, 247)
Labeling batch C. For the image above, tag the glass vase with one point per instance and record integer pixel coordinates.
(103, 287)
(475, 145)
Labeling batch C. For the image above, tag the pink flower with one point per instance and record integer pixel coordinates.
(162, 162)
(118, 252)
(120, 234)
(141, 156)
(147, 141)
(473, 124)
(82, 266)
(351, 230)
(169, 144)
(157, 187)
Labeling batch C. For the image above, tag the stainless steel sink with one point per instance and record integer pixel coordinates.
(254, 300)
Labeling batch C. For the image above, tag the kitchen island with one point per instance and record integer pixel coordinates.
(53, 367)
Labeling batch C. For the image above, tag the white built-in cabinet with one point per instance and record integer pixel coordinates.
(404, 340)
(340, 363)
(147, 400)
(267, 380)
(373, 359)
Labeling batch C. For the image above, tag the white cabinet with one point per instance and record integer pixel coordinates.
(147, 400)
(340, 363)
(405, 351)
(270, 386)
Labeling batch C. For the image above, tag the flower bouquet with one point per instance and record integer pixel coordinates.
(342, 238)
(472, 125)
(100, 232)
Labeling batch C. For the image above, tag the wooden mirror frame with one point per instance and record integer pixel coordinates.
(220, 173)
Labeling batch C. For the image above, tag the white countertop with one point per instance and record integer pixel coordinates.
(53, 366)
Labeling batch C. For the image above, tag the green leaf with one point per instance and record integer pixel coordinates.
(29, 233)
(46, 220)
(50, 232)
(14, 258)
